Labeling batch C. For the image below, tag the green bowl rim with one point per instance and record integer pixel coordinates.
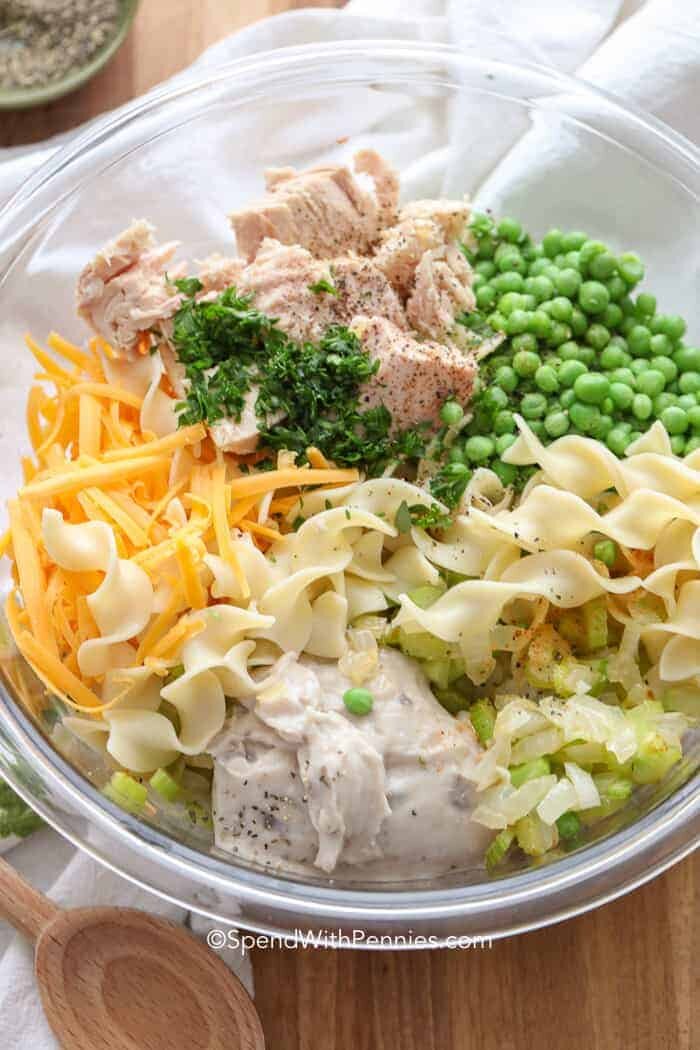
(24, 98)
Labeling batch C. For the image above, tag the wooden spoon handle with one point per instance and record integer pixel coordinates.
(28, 910)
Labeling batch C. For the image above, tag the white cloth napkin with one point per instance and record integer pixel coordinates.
(648, 53)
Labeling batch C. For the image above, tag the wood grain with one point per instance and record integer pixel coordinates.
(622, 978)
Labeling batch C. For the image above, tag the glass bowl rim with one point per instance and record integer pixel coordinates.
(672, 826)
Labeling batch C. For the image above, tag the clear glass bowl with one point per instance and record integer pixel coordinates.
(183, 158)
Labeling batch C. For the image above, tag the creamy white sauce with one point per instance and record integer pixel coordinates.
(299, 781)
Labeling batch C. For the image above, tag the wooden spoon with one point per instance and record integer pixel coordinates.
(119, 979)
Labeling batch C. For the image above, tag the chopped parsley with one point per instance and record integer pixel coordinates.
(449, 483)
(418, 514)
(306, 394)
(324, 285)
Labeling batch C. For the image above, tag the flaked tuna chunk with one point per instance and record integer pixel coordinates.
(386, 183)
(422, 226)
(326, 209)
(217, 273)
(282, 278)
(414, 379)
(441, 291)
(123, 291)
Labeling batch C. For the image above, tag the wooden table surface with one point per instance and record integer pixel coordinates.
(622, 978)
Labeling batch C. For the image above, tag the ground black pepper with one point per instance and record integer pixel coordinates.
(42, 41)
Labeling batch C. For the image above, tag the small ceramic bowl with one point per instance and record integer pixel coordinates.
(23, 98)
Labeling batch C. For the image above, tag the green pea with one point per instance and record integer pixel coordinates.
(524, 341)
(601, 427)
(645, 306)
(593, 297)
(624, 375)
(621, 395)
(687, 401)
(506, 472)
(456, 454)
(571, 242)
(533, 406)
(694, 417)
(556, 424)
(567, 398)
(578, 322)
(546, 379)
(692, 444)
(606, 551)
(665, 365)
(617, 289)
(486, 268)
(642, 406)
(651, 382)
(661, 344)
(510, 230)
(569, 351)
(506, 378)
(670, 325)
(559, 308)
(494, 399)
(558, 333)
(568, 282)
(537, 428)
(598, 336)
(452, 412)
(497, 321)
(617, 441)
(612, 316)
(541, 287)
(678, 444)
(508, 282)
(612, 356)
(689, 382)
(510, 260)
(571, 261)
(631, 268)
(588, 252)
(479, 448)
(486, 296)
(504, 423)
(571, 371)
(504, 442)
(607, 406)
(627, 325)
(662, 402)
(627, 305)
(358, 701)
(675, 419)
(517, 322)
(487, 247)
(540, 324)
(688, 358)
(552, 243)
(639, 340)
(584, 417)
(477, 281)
(526, 363)
(639, 365)
(592, 388)
(539, 267)
(602, 266)
(508, 302)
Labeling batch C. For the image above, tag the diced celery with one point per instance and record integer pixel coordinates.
(584, 754)
(499, 847)
(453, 578)
(684, 698)
(595, 623)
(126, 792)
(607, 807)
(426, 596)
(611, 786)
(165, 785)
(443, 673)
(570, 627)
(545, 653)
(654, 759)
(534, 836)
(483, 717)
(424, 646)
(569, 672)
(539, 767)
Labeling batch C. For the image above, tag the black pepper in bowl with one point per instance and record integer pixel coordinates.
(42, 41)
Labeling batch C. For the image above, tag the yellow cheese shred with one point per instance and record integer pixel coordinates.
(180, 438)
(32, 578)
(71, 480)
(289, 477)
(194, 590)
(89, 425)
(222, 529)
